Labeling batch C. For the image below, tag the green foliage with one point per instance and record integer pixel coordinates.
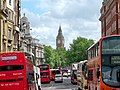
(61, 57)
(77, 51)
(55, 57)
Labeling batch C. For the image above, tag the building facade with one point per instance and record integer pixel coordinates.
(60, 39)
(110, 17)
(25, 37)
(38, 50)
(9, 25)
(28, 44)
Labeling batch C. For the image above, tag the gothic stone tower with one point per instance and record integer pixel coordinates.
(60, 39)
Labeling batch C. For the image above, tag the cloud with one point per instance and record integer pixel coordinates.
(77, 18)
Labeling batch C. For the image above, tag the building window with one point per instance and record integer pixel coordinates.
(16, 38)
(118, 23)
(4, 3)
(118, 7)
(10, 15)
(4, 46)
(114, 25)
(108, 32)
(3, 27)
(113, 11)
(9, 2)
(9, 48)
(9, 34)
(108, 19)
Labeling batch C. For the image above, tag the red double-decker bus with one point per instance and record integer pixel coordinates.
(16, 72)
(45, 73)
(104, 64)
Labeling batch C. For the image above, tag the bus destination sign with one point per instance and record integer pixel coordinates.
(8, 58)
(115, 59)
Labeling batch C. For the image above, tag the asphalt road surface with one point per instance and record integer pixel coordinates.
(66, 85)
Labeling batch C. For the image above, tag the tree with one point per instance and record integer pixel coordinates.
(50, 55)
(78, 48)
(54, 57)
(61, 57)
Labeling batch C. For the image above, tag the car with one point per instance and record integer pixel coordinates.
(58, 76)
(65, 74)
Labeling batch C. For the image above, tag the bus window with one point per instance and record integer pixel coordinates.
(98, 72)
(118, 75)
(90, 75)
(11, 67)
(44, 67)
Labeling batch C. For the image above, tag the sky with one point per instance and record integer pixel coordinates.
(76, 17)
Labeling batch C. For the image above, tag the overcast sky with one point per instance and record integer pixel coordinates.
(76, 17)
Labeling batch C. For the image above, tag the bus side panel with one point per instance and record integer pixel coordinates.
(10, 84)
(13, 79)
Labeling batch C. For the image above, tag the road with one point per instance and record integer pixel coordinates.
(66, 85)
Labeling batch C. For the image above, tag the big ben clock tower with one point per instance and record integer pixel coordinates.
(60, 39)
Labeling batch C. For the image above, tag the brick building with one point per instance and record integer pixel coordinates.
(110, 17)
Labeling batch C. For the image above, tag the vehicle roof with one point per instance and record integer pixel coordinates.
(54, 69)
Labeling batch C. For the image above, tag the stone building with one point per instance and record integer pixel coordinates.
(9, 25)
(38, 50)
(25, 37)
(28, 44)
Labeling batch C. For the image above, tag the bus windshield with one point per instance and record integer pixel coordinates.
(111, 61)
(11, 67)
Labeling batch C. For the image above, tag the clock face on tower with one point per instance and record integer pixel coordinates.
(58, 41)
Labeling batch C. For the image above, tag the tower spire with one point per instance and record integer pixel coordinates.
(60, 31)
(60, 27)
(24, 14)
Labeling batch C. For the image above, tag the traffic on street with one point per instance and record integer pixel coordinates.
(59, 45)
(66, 85)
